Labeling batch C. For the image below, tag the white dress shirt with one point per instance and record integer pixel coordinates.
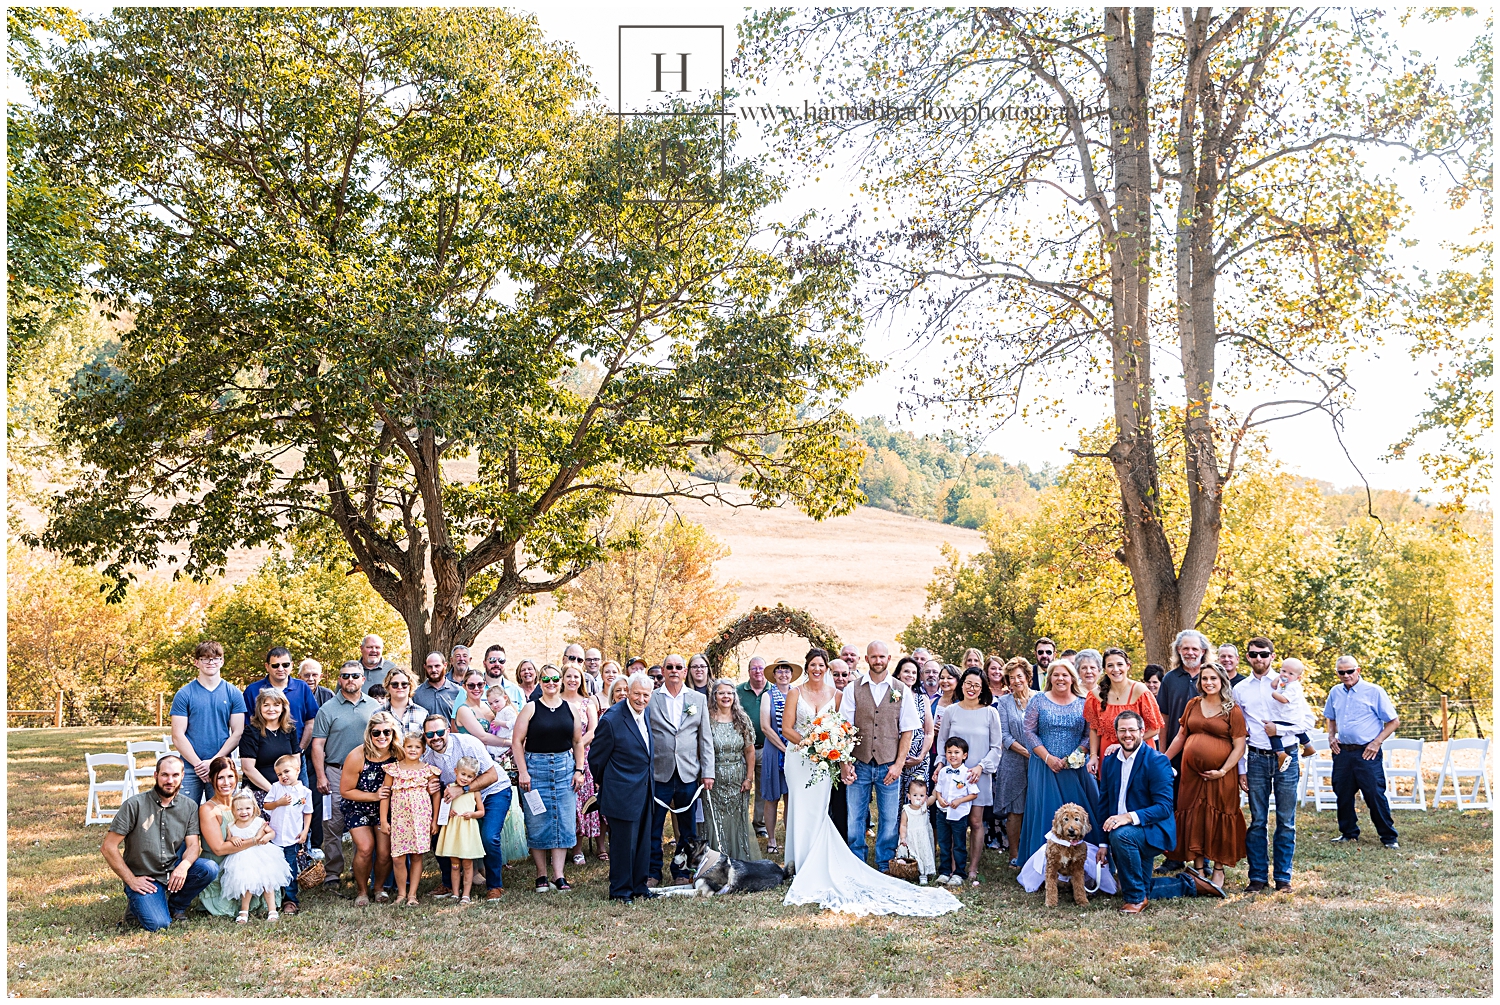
(673, 706)
(1253, 695)
(1126, 765)
(909, 721)
(640, 723)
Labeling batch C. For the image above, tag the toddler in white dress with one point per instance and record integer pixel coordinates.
(259, 869)
(916, 830)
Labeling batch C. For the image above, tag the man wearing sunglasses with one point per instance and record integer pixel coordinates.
(299, 697)
(682, 745)
(494, 676)
(1360, 716)
(1261, 779)
(338, 728)
(444, 748)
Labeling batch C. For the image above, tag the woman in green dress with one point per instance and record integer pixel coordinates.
(214, 818)
(727, 815)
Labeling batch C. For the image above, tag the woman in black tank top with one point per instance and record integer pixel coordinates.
(547, 745)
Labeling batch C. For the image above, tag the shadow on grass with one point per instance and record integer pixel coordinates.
(1361, 922)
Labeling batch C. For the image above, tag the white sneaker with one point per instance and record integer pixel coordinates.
(955, 881)
(922, 880)
(943, 879)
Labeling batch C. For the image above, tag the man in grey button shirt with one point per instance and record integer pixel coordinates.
(338, 729)
(438, 694)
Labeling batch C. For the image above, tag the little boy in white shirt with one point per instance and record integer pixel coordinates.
(290, 806)
(954, 794)
(1291, 712)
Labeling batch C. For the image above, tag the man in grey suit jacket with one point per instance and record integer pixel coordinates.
(684, 755)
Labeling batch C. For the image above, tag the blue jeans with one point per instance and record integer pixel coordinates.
(289, 852)
(155, 910)
(887, 802)
(953, 845)
(192, 786)
(675, 793)
(1132, 861)
(490, 825)
(1262, 778)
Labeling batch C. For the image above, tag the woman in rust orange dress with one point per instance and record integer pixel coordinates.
(1210, 824)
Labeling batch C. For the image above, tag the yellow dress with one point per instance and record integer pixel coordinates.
(460, 837)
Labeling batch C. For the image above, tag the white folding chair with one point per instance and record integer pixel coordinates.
(1391, 758)
(1318, 770)
(95, 813)
(1456, 774)
(143, 756)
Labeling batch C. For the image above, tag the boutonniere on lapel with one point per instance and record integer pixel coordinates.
(893, 697)
(690, 710)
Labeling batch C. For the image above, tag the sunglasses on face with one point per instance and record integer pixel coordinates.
(573, 659)
(1347, 673)
(433, 734)
(549, 679)
(279, 666)
(382, 732)
(1257, 654)
(350, 676)
(673, 666)
(476, 684)
(396, 683)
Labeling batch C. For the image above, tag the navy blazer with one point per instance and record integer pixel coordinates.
(1149, 795)
(621, 763)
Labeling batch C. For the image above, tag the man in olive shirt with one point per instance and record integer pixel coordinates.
(338, 729)
(153, 846)
(749, 694)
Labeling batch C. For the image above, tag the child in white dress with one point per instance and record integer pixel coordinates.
(916, 829)
(259, 869)
(1293, 716)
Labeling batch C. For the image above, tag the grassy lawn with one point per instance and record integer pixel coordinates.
(1361, 922)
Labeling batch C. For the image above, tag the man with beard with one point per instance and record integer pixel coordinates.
(1043, 649)
(153, 846)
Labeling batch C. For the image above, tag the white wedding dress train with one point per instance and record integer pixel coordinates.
(828, 874)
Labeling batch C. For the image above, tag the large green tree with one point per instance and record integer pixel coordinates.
(397, 286)
(1087, 196)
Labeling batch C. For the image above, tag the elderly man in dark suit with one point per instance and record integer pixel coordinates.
(682, 758)
(620, 759)
(1136, 790)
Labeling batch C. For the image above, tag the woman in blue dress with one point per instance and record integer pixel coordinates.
(773, 754)
(1055, 729)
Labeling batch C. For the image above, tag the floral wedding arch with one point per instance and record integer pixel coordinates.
(778, 620)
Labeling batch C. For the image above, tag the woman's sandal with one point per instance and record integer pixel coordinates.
(382, 897)
(771, 848)
(362, 901)
(604, 856)
(463, 900)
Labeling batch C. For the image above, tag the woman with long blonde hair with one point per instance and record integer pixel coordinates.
(359, 789)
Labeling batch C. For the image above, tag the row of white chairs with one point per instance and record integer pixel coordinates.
(138, 768)
(1467, 771)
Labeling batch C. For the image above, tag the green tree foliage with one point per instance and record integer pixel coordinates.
(371, 253)
(1303, 564)
(1065, 167)
(314, 610)
(941, 478)
(63, 636)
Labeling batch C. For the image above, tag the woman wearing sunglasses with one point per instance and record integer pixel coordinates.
(472, 713)
(547, 745)
(399, 688)
(359, 792)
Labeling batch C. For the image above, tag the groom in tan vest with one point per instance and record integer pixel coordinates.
(883, 711)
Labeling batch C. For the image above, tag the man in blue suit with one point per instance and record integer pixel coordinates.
(620, 759)
(1137, 790)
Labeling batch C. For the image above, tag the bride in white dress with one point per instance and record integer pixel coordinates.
(828, 874)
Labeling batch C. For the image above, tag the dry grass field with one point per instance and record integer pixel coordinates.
(1361, 922)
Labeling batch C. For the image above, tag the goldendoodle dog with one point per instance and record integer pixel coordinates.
(1066, 851)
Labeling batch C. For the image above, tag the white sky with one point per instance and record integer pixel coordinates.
(1391, 386)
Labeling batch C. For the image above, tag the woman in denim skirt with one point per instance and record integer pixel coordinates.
(548, 749)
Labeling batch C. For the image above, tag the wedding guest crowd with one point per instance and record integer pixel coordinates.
(484, 767)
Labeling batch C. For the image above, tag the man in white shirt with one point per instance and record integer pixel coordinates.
(879, 752)
(444, 748)
(682, 756)
(1261, 779)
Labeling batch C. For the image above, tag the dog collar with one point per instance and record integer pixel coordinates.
(1054, 839)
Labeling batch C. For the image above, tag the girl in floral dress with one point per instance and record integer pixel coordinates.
(409, 815)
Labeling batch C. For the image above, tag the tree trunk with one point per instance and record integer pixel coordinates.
(1146, 552)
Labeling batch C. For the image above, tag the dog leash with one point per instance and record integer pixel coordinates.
(681, 809)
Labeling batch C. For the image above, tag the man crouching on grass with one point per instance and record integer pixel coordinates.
(153, 846)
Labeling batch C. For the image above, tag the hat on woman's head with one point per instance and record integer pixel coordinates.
(796, 669)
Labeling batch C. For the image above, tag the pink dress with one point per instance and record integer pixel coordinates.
(588, 823)
(411, 808)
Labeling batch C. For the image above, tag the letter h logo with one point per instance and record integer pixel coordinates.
(671, 116)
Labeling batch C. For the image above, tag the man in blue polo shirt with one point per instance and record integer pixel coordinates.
(299, 696)
(208, 716)
(1360, 716)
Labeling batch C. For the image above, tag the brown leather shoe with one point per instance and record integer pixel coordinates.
(1134, 908)
(442, 891)
(495, 894)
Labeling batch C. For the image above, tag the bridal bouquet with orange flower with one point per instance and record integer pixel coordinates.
(829, 745)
